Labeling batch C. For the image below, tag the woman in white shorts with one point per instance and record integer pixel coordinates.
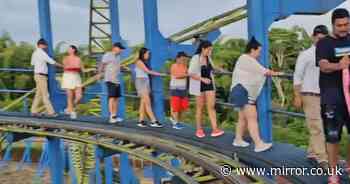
(142, 84)
(71, 80)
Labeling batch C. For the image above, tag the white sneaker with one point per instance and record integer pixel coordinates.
(241, 144)
(265, 147)
(112, 119)
(172, 121)
(73, 115)
(118, 119)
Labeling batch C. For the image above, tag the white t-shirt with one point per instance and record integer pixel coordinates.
(250, 74)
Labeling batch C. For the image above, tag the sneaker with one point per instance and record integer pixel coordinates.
(54, 115)
(113, 119)
(73, 115)
(156, 124)
(217, 133)
(334, 179)
(264, 147)
(200, 133)
(172, 121)
(178, 126)
(241, 144)
(36, 114)
(142, 124)
(65, 112)
(119, 120)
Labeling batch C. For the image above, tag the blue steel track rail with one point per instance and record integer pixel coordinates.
(201, 165)
(282, 155)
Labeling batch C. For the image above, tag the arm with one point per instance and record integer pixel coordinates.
(49, 60)
(324, 53)
(327, 67)
(298, 78)
(143, 67)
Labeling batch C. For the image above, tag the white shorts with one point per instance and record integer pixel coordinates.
(71, 80)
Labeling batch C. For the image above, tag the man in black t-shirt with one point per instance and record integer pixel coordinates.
(332, 61)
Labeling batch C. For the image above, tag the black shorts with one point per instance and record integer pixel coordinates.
(334, 117)
(113, 90)
(207, 87)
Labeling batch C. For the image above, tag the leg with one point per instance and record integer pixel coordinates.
(199, 111)
(112, 106)
(148, 107)
(252, 118)
(78, 95)
(70, 99)
(317, 142)
(42, 86)
(211, 99)
(141, 110)
(332, 125)
(241, 127)
(37, 98)
(174, 103)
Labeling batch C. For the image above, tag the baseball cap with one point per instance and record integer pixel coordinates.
(320, 29)
(118, 44)
(181, 54)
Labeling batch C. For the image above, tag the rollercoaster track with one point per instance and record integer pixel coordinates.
(135, 145)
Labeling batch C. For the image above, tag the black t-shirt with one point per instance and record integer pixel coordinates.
(331, 84)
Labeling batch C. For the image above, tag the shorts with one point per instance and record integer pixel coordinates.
(334, 117)
(71, 80)
(113, 90)
(179, 104)
(142, 86)
(207, 87)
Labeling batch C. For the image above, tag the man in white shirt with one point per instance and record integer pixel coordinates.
(307, 95)
(39, 60)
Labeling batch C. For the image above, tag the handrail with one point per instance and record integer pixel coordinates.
(16, 70)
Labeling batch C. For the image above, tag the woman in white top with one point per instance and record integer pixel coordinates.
(249, 75)
(202, 86)
(142, 84)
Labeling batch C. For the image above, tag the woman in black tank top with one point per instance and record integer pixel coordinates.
(207, 95)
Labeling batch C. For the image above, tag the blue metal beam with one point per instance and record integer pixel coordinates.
(56, 160)
(46, 33)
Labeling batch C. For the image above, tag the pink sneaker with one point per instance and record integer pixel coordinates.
(217, 133)
(200, 133)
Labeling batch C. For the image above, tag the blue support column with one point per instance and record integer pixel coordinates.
(46, 33)
(258, 24)
(56, 161)
(108, 162)
(126, 173)
(156, 43)
(44, 160)
(27, 156)
(98, 156)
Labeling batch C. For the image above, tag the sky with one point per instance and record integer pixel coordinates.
(70, 18)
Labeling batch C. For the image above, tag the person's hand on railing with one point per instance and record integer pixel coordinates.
(206, 80)
(273, 73)
(59, 65)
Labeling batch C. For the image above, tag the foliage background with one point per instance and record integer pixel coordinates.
(285, 45)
